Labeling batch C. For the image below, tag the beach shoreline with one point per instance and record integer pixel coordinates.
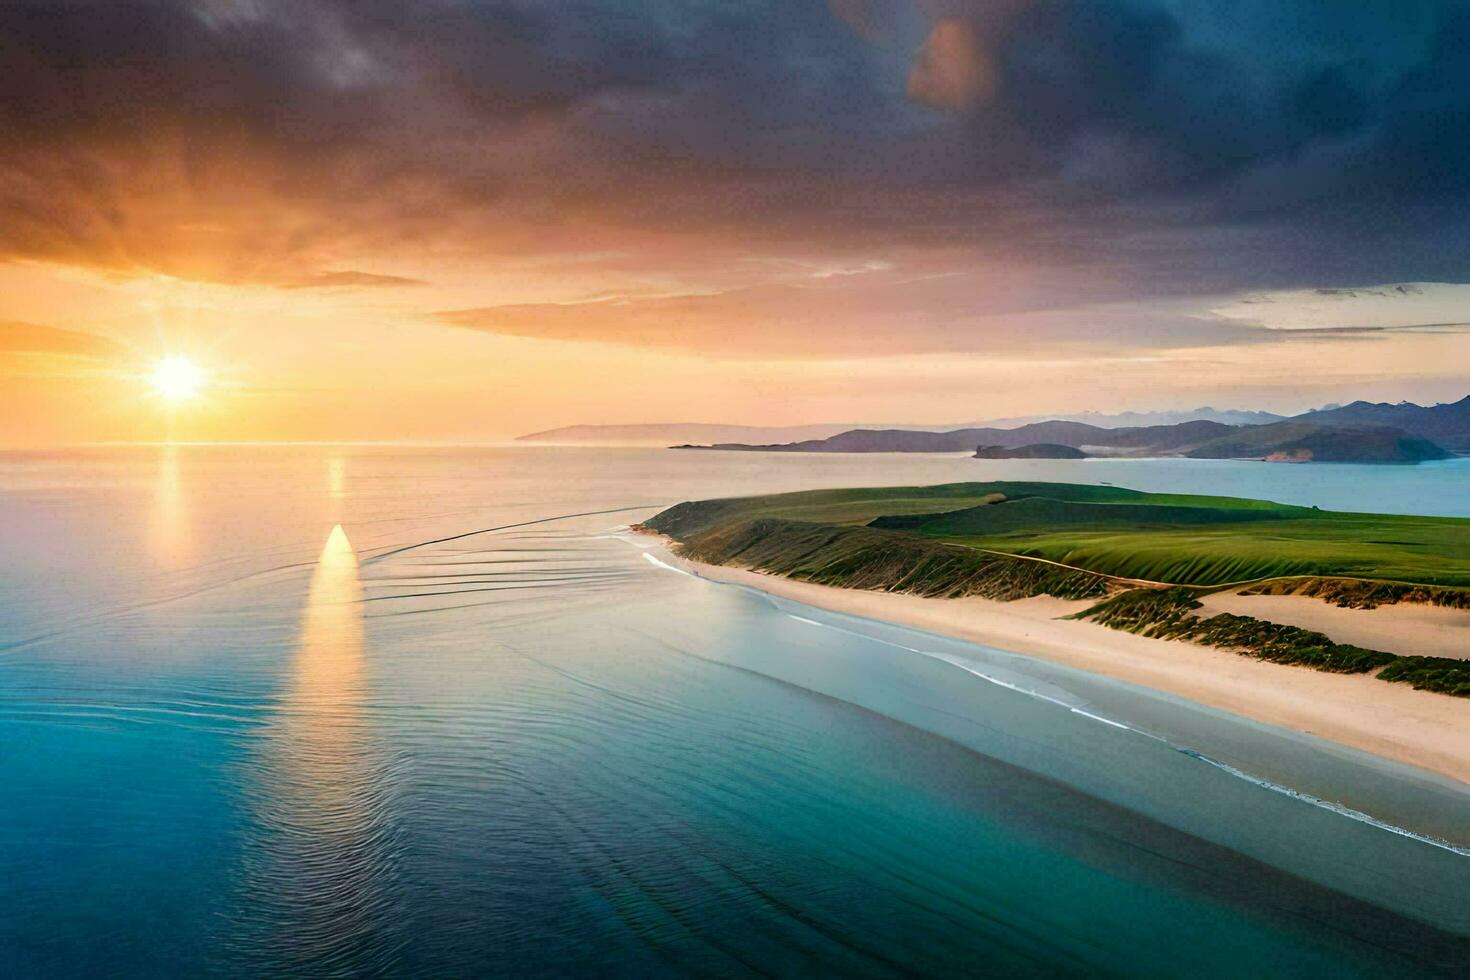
(1423, 729)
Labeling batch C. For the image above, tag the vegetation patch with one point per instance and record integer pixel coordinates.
(1362, 594)
(1443, 674)
(1169, 614)
(884, 561)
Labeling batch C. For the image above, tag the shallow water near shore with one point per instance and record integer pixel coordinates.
(477, 732)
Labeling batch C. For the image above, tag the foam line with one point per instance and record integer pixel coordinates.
(663, 564)
(1338, 808)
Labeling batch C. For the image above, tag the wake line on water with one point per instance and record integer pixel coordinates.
(503, 527)
(970, 667)
(102, 616)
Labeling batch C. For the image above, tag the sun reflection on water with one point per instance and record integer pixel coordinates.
(326, 681)
(336, 477)
(323, 863)
(172, 533)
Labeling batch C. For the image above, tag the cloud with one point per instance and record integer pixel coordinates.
(952, 70)
(37, 351)
(1169, 148)
(1404, 306)
(348, 279)
(18, 337)
(862, 316)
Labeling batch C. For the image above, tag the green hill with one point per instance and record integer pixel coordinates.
(1009, 540)
(1168, 538)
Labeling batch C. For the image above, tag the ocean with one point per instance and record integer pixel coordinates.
(332, 711)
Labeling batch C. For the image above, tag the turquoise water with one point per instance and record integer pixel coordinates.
(233, 742)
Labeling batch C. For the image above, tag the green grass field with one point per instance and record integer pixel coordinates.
(1433, 554)
(823, 506)
(1169, 538)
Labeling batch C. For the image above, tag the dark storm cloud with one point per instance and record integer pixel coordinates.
(1178, 145)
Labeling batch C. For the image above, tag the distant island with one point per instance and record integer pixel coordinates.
(1144, 563)
(1357, 433)
(1036, 450)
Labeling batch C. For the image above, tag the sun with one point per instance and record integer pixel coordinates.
(176, 379)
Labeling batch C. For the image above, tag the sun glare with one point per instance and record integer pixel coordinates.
(176, 379)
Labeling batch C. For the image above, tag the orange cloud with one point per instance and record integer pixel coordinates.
(17, 337)
(36, 351)
(350, 278)
(953, 70)
(997, 311)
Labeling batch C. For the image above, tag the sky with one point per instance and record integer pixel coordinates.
(462, 220)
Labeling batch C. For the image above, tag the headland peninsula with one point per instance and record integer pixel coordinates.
(1352, 626)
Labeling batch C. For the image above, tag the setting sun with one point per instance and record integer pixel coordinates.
(517, 487)
(176, 379)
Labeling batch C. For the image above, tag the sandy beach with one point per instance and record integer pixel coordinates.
(1421, 728)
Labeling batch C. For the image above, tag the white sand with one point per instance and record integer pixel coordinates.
(1421, 728)
(1405, 628)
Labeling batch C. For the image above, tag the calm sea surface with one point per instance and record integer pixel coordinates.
(477, 732)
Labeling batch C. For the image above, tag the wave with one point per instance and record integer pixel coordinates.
(1340, 809)
(1074, 704)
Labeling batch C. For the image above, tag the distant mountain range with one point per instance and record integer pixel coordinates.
(671, 433)
(1447, 424)
(1358, 432)
(1154, 438)
(667, 433)
(1361, 432)
(1118, 420)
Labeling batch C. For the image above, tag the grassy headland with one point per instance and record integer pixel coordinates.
(1146, 556)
